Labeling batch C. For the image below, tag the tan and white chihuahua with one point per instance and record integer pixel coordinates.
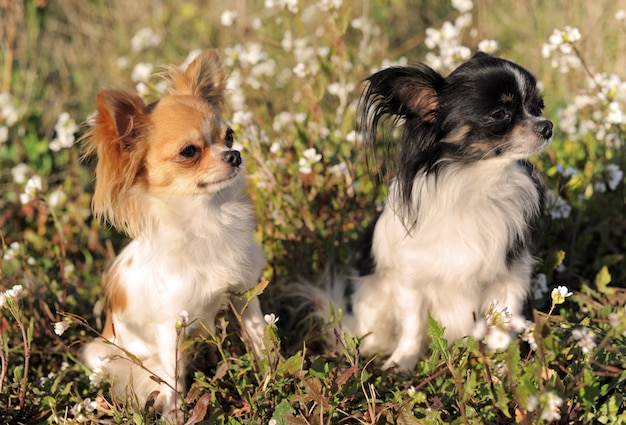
(167, 175)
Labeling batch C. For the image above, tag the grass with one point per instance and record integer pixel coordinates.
(567, 367)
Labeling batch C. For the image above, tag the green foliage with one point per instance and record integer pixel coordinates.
(294, 82)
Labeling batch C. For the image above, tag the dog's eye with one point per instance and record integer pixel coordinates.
(229, 138)
(536, 111)
(190, 151)
(499, 115)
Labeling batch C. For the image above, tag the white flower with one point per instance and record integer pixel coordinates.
(488, 46)
(339, 170)
(11, 251)
(90, 405)
(57, 198)
(585, 339)
(620, 15)
(142, 72)
(299, 70)
(227, 18)
(497, 317)
(614, 175)
(272, 422)
(559, 294)
(312, 156)
(15, 292)
(463, 6)
(19, 173)
(551, 411)
(32, 188)
(326, 5)
(8, 113)
(61, 327)
(145, 38)
(65, 129)
(497, 339)
(3, 300)
(270, 319)
(75, 411)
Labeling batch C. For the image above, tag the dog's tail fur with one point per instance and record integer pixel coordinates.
(356, 305)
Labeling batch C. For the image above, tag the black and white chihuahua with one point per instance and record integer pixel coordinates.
(457, 227)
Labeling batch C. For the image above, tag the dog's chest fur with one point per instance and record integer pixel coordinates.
(470, 218)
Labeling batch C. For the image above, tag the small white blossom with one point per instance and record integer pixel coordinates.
(12, 250)
(327, 5)
(614, 175)
(488, 46)
(299, 70)
(8, 113)
(270, 319)
(32, 188)
(495, 316)
(145, 38)
(339, 170)
(227, 18)
(61, 327)
(497, 339)
(585, 339)
(65, 129)
(551, 411)
(559, 294)
(90, 405)
(142, 72)
(312, 156)
(15, 292)
(19, 173)
(463, 6)
(57, 198)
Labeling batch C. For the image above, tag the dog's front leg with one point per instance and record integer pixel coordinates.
(171, 371)
(410, 319)
(253, 321)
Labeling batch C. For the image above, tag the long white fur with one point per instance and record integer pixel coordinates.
(451, 264)
(195, 253)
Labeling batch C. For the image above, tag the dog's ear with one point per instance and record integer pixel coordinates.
(119, 138)
(121, 118)
(204, 78)
(411, 92)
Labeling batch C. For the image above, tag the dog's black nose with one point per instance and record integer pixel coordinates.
(232, 157)
(544, 129)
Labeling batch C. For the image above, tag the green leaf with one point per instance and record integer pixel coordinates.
(603, 278)
(283, 409)
(438, 342)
